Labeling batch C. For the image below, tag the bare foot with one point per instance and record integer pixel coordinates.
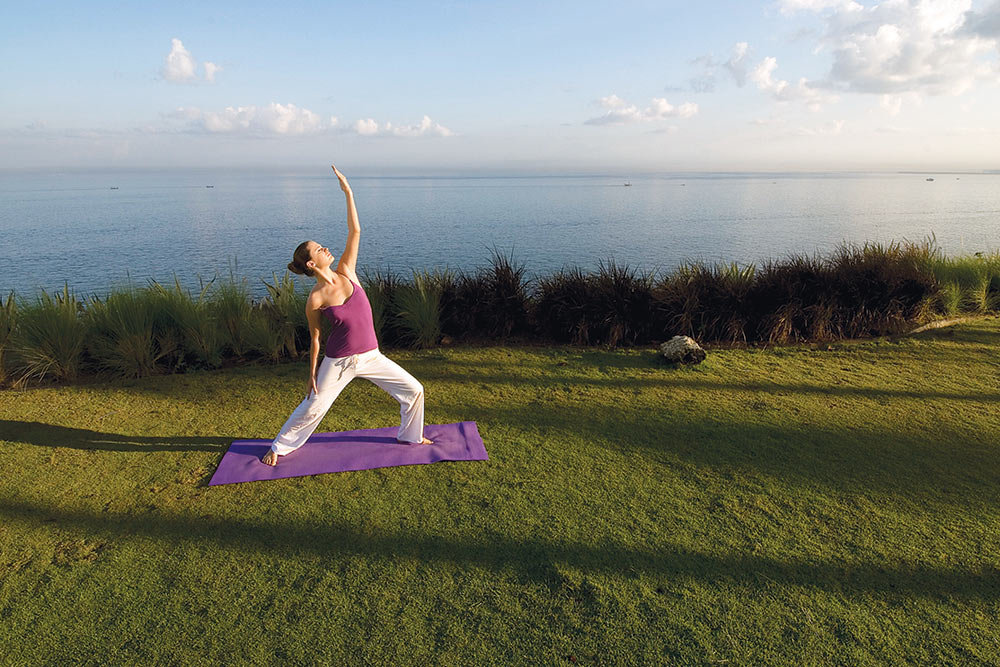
(270, 459)
(425, 441)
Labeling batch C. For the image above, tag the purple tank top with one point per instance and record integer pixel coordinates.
(353, 330)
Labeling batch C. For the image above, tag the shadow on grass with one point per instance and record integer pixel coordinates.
(689, 382)
(948, 465)
(49, 435)
(532, 560)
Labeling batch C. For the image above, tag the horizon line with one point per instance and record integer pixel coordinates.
(495, 172)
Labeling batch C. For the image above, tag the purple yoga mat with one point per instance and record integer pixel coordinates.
(350, 450)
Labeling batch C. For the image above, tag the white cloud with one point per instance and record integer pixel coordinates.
(611, 102)
(930, 47)
(273, 119)
(790, 6)
(735, 66)
(181, 67)
(621, 112)
(660, 108)
(289, 120)
(783, 91)
(210, 70)
(368, 126)
(426, 127)
(891, 104)
(761, 75)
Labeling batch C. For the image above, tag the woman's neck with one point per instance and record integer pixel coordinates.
(325, 277)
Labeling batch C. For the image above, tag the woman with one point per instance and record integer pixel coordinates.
(352, 348)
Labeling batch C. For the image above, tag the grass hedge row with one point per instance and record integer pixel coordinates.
(862, 290)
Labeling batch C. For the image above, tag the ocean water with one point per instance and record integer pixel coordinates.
(73, 227)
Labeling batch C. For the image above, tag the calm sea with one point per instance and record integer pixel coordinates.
(96, 229)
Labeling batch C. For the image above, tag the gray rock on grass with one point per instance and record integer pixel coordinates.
(682, 350)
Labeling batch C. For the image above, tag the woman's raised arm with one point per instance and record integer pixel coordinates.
(349, 258)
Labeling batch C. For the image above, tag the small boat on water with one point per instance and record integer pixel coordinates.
(928, 179)
(209, 186)
(114, 187)
(628, 184)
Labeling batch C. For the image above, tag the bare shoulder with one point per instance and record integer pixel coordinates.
(345, 270)
(315, 300)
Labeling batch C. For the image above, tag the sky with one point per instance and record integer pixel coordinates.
(469, 87)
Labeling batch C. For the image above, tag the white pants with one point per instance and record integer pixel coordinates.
(333, 375)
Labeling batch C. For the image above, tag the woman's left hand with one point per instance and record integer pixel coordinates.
(343, 180)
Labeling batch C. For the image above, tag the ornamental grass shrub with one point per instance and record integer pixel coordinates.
(789, 301)
(278, 327)
(705, 303)
(562, 313)
(491, 303)
(417, 308)
(230, 302)
(120, 334)
(881, 288)
(623, 305)
(8, 319)
(192, 321)
(48, 339)
(974, 282)
(949, 300)
(381, 288)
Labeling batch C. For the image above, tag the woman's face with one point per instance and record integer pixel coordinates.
(320, 255)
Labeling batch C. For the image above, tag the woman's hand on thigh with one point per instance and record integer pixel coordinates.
(312, 387)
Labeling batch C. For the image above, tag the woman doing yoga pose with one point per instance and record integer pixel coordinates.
(352, 348)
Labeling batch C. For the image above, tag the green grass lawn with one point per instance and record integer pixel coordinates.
(794, 505)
